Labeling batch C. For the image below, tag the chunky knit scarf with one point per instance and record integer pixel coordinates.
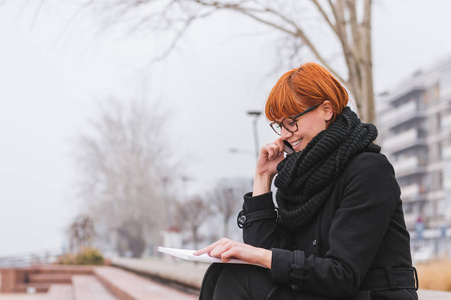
(306, 178)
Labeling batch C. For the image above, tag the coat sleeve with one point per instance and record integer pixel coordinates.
(369, 195)
(265, 233)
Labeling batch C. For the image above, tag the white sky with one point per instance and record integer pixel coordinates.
(53, 69)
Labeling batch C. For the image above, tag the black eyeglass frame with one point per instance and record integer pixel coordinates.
(294, 118)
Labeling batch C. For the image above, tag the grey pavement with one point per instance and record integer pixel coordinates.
(433, 295)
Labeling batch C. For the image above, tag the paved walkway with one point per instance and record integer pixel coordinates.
(190, 274)
(65, 294)
(185, 273)
(109, 283)
(88, 287)
(433, 295)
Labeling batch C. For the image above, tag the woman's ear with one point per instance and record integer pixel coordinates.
(328, 112)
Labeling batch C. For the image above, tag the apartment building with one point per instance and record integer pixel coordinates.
(414, 122)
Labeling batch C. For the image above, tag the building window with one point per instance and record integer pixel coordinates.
(444, 85)
(440, 180)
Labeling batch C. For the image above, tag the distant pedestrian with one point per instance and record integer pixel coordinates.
(419, 228)
(339, 230)
(444, 239)
(443, 229)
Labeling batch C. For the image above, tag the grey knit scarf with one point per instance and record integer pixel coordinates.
(305, 179)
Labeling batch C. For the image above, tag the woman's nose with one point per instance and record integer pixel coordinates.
(284, 133)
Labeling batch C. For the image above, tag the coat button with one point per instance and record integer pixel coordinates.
(294, 287)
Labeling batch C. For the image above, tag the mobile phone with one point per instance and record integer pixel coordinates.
(287, 147)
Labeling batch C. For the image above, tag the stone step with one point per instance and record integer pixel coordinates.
(182, 273)
(50, 278)
(88, 287)
(55, 292)
(129, 286)
(60, 292)
(63, 269)
(36, 287)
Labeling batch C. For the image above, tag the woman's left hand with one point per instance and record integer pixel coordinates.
(226, 249)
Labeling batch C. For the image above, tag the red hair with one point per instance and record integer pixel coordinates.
(301, 88)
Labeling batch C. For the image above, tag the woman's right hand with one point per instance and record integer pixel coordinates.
(270, 156)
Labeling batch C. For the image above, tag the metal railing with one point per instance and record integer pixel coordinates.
(30, 259)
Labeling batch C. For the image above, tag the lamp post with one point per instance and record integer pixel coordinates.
(255, 114)
(185, 180)
(167, 203)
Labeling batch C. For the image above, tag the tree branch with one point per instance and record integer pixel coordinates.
(174, 42)
(297, 33)
(356, 40)
(325, 16)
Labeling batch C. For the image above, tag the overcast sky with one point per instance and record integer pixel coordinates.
(53, 70)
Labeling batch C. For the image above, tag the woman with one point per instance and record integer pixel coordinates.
(339, 229)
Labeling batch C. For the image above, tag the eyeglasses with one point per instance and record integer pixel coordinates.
(290, 122)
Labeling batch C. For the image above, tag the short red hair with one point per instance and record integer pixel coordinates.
(304, 87)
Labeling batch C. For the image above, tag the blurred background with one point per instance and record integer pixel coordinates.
(128, 125)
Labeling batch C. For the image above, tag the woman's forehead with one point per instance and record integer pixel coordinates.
(282, 112)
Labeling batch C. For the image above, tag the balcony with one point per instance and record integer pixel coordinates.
(402, 141)
(410, 192)
(399, 115)
(446, 152)
(445, 121)
(408, 166)
(447, 184)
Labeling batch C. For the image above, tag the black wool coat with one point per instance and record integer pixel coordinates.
(360, 230)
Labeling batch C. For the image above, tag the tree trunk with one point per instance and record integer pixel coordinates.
(367, 66)
(226, 226)
(195, 237)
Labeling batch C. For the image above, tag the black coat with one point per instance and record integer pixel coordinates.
(346, 252)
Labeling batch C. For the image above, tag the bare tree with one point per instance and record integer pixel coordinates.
(132, 232)
(121, 163)
(346, 24)
(227, 197)
(81, 232)
(192, 214)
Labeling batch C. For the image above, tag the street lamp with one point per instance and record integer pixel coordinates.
(185, 180)
(167, 202)
(256, 114)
